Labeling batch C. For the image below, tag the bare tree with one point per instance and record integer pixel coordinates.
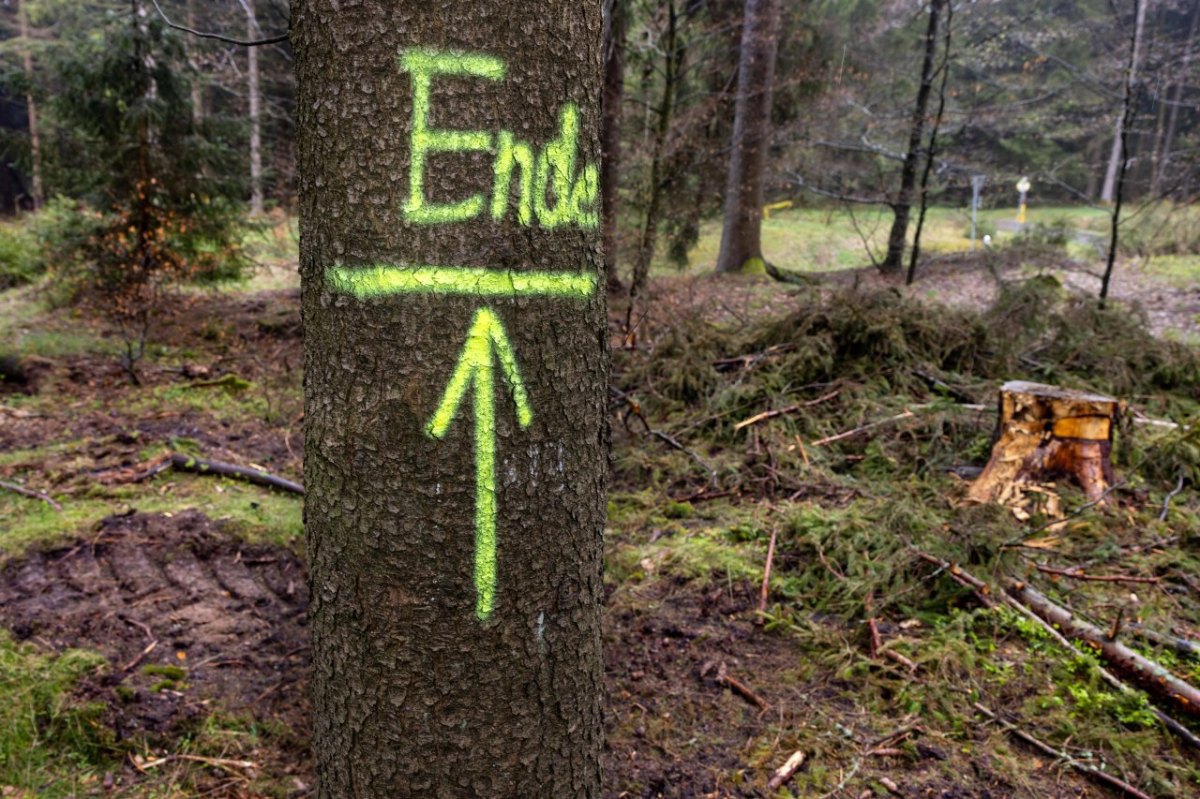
(252, 81)
(611, 101)
(1128, 109)
(35, 136)
(1118, 157)
(902, 205)
(741, 234)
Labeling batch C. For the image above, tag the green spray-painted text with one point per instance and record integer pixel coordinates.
(552, 189)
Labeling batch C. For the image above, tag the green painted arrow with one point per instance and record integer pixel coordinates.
(476, 366)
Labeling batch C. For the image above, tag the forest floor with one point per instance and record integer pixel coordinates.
(156, 635)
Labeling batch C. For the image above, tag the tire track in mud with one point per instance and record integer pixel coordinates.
(230, 613)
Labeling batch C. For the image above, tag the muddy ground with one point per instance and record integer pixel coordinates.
(702, 702)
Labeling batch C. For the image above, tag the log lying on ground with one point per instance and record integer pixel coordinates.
(1151, 676)
(187, 463)
(1048, 432)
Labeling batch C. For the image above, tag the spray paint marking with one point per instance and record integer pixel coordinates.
(383, 280)
(553, 171)
(476, 368)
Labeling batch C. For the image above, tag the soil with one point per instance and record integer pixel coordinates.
(158, 592)
(233, 616)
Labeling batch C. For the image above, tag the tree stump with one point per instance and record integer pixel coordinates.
(1045, 433)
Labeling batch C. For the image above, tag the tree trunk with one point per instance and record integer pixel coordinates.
(673, 55)
(35, 136)
(741, 233)
(256, 177)
(931, 151)
(455, 385)
(902, 207)
(610, 133)
(1176, 100)
(1118, 157)
(1121, 145)
(197, 85)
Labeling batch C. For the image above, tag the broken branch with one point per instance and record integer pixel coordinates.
(187, 463)
(31, 493)
(1046, 749)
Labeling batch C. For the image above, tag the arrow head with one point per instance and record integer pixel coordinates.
(476, 367)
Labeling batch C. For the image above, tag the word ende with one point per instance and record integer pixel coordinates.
(552, 170)
(553, 191)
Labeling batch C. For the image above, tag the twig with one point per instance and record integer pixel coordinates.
(742, 690)
(135, 623)
(31, 493)
(186, 463)
(239, 42)
(765, 415)
(1058, 754)
(766, 580)
(786, 771)
(1166, 506)
(222, 763)
(666, 439)
(1077, 573)
(131, 665)
(864, 428)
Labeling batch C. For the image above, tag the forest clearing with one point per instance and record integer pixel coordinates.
(605, 399)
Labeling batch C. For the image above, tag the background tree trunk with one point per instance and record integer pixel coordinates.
(673, 57)
(1117, 156)
(256, 176)
(35, 136)
(893, 261)
(198, 77)
(610, 133)
(741, 233)
(1156, 190)
(426, 682)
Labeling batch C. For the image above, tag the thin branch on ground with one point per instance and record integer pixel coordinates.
(31, 493)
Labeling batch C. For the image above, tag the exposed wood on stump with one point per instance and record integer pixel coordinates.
(1045, 433)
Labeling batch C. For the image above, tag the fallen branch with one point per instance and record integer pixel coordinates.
(863, 429)
(31, 493)
(1083, 768)
(983, 592)
(666, 439)
(786, 771)
(1180, 646)
(1166, 506)
(1151, 675)
(741, 689)
(1077, 573)
(766, 580)
(187, 463)
(765, 415)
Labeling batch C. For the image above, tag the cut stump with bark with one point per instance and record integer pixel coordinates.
(1046, 433)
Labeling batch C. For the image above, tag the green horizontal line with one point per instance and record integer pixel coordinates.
(381, 281)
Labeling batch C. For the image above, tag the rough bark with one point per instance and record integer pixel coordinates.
(741, 233)
(426, 682)
(1048, 432)
(256, 169)
(902, 207)
(1118, 157)
(610, 133)
(35, 135)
